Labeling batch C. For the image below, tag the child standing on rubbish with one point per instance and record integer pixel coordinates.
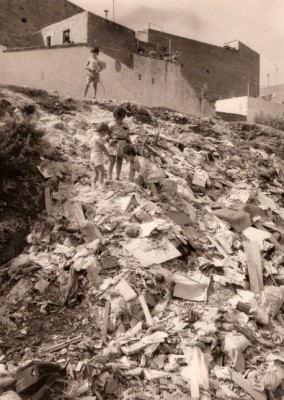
(120, 137)
(97, 154)
(93, 67)
(149, 174)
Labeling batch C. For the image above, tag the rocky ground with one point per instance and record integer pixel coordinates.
(111, 295)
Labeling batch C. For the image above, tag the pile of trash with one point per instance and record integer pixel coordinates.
(118, 296)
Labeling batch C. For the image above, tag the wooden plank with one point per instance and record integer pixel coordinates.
(197, 373)
(254, 266)
(62, 345)
(105, 321)
(247, 386)
(146, 311)
(218, 246)
(48, 201)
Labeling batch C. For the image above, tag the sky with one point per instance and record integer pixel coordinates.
(259, 24)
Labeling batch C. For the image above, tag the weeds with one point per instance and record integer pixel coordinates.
(20, 144)
(268, 120)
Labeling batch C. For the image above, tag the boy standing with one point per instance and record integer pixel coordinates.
(97, 154)
(120, 137)
(93, 68)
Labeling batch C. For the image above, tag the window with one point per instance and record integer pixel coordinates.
(24, 20)
(153, 80)
(139, 77)
(66, 36)
(48, 41)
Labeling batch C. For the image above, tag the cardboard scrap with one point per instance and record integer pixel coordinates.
(199, 178)
(126, 290)
(148, 252)
(239, 220)
(179, 217)
(147, 227)
(266, 201)
(42, 285)
(256, 235)
(191, 287)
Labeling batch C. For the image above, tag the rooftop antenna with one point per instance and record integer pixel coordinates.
(106, 12)
(268, 80)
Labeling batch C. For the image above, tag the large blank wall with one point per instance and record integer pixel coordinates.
(150, 82)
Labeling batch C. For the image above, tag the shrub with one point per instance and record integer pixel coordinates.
(20, 145)
(268, 120)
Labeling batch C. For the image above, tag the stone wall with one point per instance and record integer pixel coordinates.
(19, 19)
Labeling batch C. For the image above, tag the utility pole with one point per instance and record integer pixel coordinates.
(113, 10)
(245, 79)
(268, 80)
(276, 73)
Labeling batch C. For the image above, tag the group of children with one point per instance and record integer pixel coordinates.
(114, 141)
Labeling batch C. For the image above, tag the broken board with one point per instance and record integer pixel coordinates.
(148, 252)
(254, 266)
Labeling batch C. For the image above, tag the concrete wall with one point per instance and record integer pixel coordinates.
(248, 107)
(150, 82)
(78, 25)
(217, 70)
(236, 105)
(258, 105)
(113, 39)
(20, 18)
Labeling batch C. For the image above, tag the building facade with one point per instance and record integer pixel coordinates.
(216, 72)
(21, 19)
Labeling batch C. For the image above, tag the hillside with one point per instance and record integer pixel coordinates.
(115, 295)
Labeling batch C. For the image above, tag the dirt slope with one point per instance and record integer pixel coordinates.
(78, 258)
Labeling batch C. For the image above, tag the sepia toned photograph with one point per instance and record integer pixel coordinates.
(141, 200)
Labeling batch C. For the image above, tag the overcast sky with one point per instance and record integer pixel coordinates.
(257, 23)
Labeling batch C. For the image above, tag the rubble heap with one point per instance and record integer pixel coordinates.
(117, 296)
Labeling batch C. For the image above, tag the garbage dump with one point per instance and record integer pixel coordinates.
(119, 295)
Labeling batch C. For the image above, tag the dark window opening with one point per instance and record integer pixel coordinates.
(153, 80)
(208, 70)
(139, 77)
(48, 41)
(66, 36)
(24, 20)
